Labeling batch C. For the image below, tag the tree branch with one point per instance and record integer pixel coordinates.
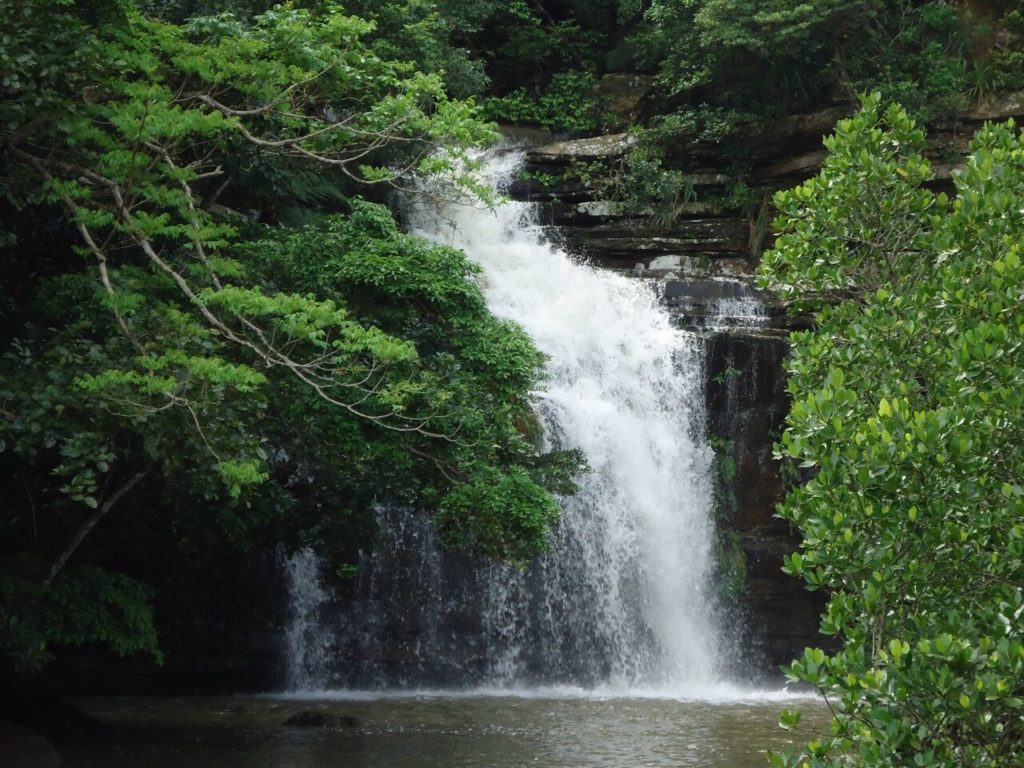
(89, 524)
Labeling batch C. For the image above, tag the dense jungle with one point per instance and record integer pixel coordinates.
(220, 344)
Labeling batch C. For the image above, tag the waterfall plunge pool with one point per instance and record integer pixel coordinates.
(553, 728)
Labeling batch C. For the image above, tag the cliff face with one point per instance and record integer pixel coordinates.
(711, 232)
(702, 264)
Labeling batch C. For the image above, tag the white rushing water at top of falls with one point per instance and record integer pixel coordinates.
(624, 597)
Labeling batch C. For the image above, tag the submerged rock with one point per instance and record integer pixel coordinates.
(311, 719)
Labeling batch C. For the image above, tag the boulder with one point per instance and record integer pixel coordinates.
(22, 748)
(998, 107)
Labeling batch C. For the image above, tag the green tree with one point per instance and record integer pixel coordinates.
(776, 57)
(741, 48)
(728, 70)
(908, 401)
(205, 324)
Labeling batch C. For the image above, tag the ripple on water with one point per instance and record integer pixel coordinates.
(557, 728)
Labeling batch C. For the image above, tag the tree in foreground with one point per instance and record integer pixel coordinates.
(908, 416)
(209, 340)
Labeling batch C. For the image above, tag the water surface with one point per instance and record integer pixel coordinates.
(441, 731)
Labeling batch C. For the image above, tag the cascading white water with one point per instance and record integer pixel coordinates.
(623, 385)
(307, 637)
(745, 311)
(622, 600)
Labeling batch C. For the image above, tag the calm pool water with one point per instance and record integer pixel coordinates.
(553, 729)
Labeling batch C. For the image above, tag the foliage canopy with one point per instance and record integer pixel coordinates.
(907, 413)
(207, 325)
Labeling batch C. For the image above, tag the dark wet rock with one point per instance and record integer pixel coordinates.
(637, 241)
(797, 134)
(747, 403)
(563, 191)
(311, 719)
(795, 167)
(781, 616)
(623, 95)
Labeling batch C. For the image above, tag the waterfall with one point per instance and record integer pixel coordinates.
(746, 310)
(308, 638)
(622, 599)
